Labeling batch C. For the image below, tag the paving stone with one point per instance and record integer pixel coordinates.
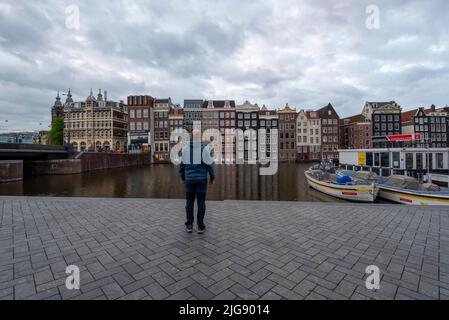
(156, 291)
(131, 249)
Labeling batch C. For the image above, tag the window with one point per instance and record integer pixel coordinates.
(145, 113)
(139, 113)
(377, 159)
(439, 159)
(385, 159)
(131, 114)
(409, 161)
(145, 126)
(419, 161)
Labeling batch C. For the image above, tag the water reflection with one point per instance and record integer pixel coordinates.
(241, 182)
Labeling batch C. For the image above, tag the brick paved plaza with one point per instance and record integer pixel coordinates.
(137, 249)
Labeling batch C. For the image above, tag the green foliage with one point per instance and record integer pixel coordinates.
(56, 134)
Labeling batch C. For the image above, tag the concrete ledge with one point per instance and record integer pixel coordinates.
(66, 166)
(11, 170)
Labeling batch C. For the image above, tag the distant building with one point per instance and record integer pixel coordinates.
(176, 121)
(57, 109)
(221, 112)
(17, 137)
(162, 108)
(40, 137)
(433, 127)
(140, 120)
(356, 132)
(386, 120)
(329, 132)
(287, 134)
(248, 119)
(96, 124)
(193, 113)
(308, 136)
(268, 120)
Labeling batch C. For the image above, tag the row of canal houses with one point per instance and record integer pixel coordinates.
(301, 135)
(146, 123)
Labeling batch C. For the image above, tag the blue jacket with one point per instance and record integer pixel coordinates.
(192, 167)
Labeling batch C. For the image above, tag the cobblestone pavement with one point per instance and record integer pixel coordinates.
(137, 249)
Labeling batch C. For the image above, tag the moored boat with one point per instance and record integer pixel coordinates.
(407, 190)
(342, 187)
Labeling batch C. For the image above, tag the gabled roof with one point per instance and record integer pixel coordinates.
(287, 109)
(161, 101)
(354, 119)
(219, 104)
(407, 117)
(323, 110)
(247, 106)
(310, 113)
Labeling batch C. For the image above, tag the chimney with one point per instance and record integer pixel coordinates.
(105, 95)
(432, 108)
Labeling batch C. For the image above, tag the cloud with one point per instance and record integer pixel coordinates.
(307, 53)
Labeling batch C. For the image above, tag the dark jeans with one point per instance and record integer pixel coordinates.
(198, 190)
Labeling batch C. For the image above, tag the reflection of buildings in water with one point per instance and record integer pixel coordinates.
(269, 187)
(247, 182)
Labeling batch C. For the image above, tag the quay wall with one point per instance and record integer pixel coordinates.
(85, 162)
(11, 170)
(100, 161)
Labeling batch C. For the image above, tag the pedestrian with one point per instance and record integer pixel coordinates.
(197, 163)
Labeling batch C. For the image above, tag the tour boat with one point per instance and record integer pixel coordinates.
(407, 190)
(342, 186)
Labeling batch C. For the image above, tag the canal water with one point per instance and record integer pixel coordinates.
(162, 181)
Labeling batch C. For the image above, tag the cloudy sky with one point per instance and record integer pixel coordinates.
(306, 53)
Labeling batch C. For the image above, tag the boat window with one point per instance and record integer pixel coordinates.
(439, 158)
(419, 161)
(396, 160)
(377, 159)
(385, 159)
(430, 165)
(409, 161)
(369, 159)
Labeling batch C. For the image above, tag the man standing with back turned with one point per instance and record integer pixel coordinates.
(197, 163)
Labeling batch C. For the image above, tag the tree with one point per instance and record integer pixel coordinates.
(56, 134)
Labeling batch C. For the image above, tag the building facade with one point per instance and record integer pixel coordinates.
(96, 124)
(329, 132)
(355, 132)
(287, 134)
(176, 122)
(140, 123)
(386, 121)
(162, 108)
(433, 127)
(248, 119)
(308, 135)
(57, 110)
(193, 112)
(268, 121)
